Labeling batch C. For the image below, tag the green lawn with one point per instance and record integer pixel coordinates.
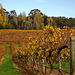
(7, 67)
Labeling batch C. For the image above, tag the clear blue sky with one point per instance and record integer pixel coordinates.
(49, 7)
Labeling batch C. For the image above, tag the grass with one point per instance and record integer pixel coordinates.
(65, 67)
(7, 67)
(0, 45)
(17, 46)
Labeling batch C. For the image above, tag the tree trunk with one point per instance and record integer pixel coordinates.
(50, 61)
(59, 64)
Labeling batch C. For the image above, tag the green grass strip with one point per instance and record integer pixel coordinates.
(7, 67)
(0, 45)
(65, 67)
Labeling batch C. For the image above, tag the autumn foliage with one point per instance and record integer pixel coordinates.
(2, 50)
(38, 44)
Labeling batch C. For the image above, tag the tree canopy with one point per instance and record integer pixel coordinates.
(35, 20)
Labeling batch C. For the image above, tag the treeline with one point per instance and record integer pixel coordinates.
(35, 20)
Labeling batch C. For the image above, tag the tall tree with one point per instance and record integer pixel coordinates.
(29, 19)
(2, 16)
(7, 17)
(14, 16)
(37, 18)
(45, 20)
(21, 20)
(49, 21)
(39, 21)
(24, 16)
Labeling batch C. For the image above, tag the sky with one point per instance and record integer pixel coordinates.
(56, 8)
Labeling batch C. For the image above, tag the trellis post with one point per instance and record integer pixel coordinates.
(44, 65)
(72, 55)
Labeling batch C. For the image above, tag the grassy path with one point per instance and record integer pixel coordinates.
(7, 67)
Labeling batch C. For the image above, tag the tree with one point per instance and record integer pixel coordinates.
(32, 12)
(21, 20)
(24, 16)
(45, 20)
(54, 24)
(12, 19)
(29, 19)
(13, 15)
(7, 17)
(40, 20)
(28, 26)
(2, 16)
(49, 21)
(37, 18)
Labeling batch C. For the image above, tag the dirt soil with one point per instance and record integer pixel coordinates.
(27, 69)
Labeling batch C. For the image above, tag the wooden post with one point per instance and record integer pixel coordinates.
(29, 59)
(72, 55)
(59, 63)
(44, 60)
(38, 62)
(50, 61)
(44, 65)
